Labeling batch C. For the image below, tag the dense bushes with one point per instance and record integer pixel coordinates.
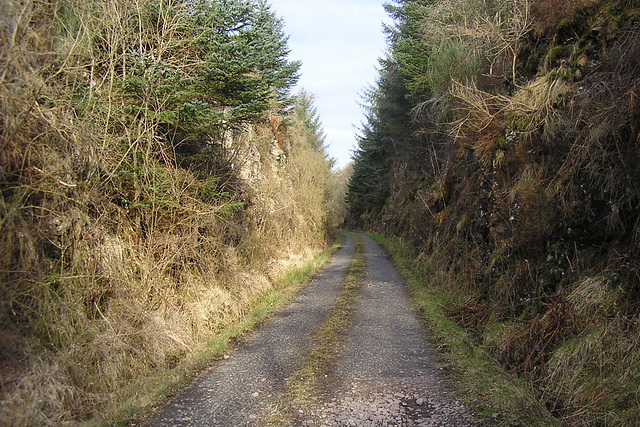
(155, 179)
(513, 169)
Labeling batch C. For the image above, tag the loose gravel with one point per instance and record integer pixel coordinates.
(388, 403)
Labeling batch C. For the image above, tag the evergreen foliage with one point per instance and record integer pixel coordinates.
(387, 129)
(307, 113)
(234, 66)
(245, 50)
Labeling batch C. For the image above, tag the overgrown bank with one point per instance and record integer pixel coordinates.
(502, 143)
(157, 179)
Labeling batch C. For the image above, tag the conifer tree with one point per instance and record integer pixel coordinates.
(307, 113)
(388, 129)
(245, 52)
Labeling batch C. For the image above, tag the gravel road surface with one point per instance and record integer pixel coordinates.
(384, 374)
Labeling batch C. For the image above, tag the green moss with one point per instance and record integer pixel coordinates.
(379, 238)
(501, 142)
(556, 54)
(440, 192)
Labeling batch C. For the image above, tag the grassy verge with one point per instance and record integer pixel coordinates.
(147, 393)
(491, 391)
(307, 382)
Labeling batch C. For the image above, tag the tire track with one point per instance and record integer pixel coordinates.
(349, 351)
(234, 391)
(313, 377)
(385, 375)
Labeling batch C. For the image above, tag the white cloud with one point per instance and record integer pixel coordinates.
(339, 43)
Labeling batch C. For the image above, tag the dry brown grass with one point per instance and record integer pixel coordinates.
(549, 13)
(115, 262)
(594, 375)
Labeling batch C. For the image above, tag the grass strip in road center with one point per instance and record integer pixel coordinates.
(307, 382)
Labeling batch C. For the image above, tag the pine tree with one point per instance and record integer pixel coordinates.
(245, 50)
(307, 113)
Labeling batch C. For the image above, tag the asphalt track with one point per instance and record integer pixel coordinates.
(383, 375)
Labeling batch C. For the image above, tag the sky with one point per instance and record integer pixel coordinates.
(339, 43)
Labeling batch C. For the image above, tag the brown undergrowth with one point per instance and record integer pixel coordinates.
(123, 249)
(553, 283)
(530, 231)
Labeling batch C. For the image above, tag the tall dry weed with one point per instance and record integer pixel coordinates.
(116, 263)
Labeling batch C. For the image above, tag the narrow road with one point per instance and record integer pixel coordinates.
(381, 374)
